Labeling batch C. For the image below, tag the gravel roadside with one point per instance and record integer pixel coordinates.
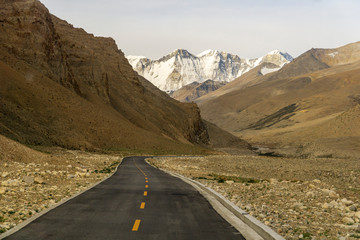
(298, 198)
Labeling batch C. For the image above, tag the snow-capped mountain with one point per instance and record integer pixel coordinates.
(181, 68)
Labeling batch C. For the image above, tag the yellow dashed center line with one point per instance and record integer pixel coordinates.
(136, 225)
(139, 168)
(142, 205)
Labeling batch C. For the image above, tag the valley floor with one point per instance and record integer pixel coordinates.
(34, 184)
(299, 198)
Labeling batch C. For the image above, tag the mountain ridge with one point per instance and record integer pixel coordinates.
(294, 106)
(61, 86)
(180, 67)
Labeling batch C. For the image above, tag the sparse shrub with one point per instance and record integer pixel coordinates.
(307, 235)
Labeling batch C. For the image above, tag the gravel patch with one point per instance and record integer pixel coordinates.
(298, 198)
(27, 188)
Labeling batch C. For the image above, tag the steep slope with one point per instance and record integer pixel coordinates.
(291, 107)
(181, 68)
(62, 86)
(195, 90)
(250, 78)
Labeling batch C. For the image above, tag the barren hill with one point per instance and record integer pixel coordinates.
(195, 90)
(62, 86)
(297, 105)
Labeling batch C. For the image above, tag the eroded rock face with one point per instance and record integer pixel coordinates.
(33, 40)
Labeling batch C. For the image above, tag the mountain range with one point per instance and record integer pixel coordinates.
(61, 86)
(310, 107)
(181, 67)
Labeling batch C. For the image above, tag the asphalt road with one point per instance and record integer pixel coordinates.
(137, 202)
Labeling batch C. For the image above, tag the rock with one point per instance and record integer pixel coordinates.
(310, 194)
(326, 191)
(316, 181)
(3, 190)
(333, 204)
(229, 182)
(11, 183)
(325, 206)
(348, 221)
(4, 174)
(39, 180)
(80, 174)
(29, 180)
(297, 204)
(81, 169)
(273, 180)
(248, 207)
(358, 229)
(347, 202)
(353, 208)
(357, 214)
(312, 186)
(333, 194)
(70, 176)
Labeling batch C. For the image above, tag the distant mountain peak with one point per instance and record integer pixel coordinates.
(180, 67)
(208, 52)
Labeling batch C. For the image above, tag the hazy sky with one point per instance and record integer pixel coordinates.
(249, 28)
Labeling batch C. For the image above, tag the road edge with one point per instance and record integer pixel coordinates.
(215, 198)
(39, 214)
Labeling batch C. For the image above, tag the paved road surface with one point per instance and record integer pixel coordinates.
(138, 202)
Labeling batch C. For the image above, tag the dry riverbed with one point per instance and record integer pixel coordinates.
(29, 186)
(298, 198)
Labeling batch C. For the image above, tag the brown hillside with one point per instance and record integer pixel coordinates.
(195, 90)
(60, 85)
(248, 79)
(297, 110)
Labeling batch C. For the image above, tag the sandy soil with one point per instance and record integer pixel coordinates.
(298, 198)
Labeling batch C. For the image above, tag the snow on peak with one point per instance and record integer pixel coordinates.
(333, 54)
(180, 67)
(208, 52)
(274, 52)
(266, 70)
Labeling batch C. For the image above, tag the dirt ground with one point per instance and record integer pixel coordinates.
(299, 198)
